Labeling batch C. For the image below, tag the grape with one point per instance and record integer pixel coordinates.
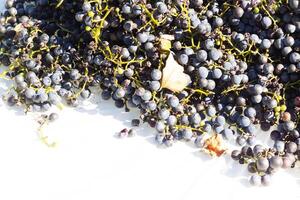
(255, 180)
(106, 95)
(147, 95)
(173, 101)
(184, 120)
(203, 83)
(227, 66)
(203, 72)
(266, 22)
(294, 4)
(235, 155)
(162, 8)
(262, 164)
(290, 28)
(151, 105)
(183, 59)
(256, 98)
(276, 162)
(258, 149)
(172, 120)
(207, 127)
(160, 126)
(142, 37)
(211, 111)
(199, 141)
(137, 10)
(177, 45)
(227, 133)
(53, 98)
(56, 78)
(240, 140)
(289, 125)
(251, 141)
(238, 12)
(244, 121)
(154, 85)
(86, 6)
(250, 112)
(85, 94)
(211, 84)
(53, 117)
(156, 74)
(30, 64)
(217, 73)
(236, 79)
(119, 93)
(266, 180)
(294, 57)
(214, 54)
(220, 120)
(265, 44)
(201, 55)
(251, 129)
(19, 78)
(29, 93)
(218, 22)
(286, 51)
(135, 122)
(288, 161)
(272, 103)
(159, 138)
(187, 134)
(279, 146)
(164, 113)
(268, 68)
(291, 147)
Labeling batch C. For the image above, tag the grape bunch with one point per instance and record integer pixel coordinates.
(193, 68)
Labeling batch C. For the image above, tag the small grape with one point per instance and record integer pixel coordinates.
(266, 22)
(172, 120)
(156, 74)
(217, 73)
(201, 55)
(173, 101)
(53, 117)
(266, 180)
(227, 133)
(187, 134)
(276, 162)
(255, 180)
(29, 93)
(203, 72)
(154, 85)
(159, 138)
(164, 113)
(183, 59)
(262, 164)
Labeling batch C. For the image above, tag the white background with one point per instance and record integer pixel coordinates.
(90, 163)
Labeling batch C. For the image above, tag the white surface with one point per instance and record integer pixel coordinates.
(91, 163)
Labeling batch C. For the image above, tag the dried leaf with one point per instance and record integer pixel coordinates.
(165, 42)
(174, 78)
(213, 145)
(167, 37)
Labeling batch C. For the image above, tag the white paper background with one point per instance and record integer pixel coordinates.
(91, 163)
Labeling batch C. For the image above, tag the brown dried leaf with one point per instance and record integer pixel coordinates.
(213, 145)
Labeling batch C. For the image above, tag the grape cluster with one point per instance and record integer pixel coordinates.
(242, 57)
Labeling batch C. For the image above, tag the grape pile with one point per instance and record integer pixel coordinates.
(240, 60)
